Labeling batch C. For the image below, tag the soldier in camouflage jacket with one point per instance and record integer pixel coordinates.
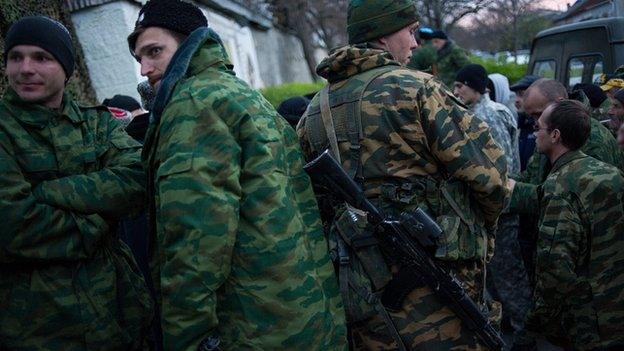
(450, 58)
(577, 301)
(68, 173)
(407, 140)
(600, 145)
(239, 250)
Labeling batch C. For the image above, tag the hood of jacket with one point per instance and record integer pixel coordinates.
(501, 88)
(350, 60)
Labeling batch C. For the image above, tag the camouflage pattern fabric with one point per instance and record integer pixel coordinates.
(414, 130)
(601, 145)
(66, 281)
(240, 252)
(503, 127)
(450, 59)
(580, 276)
(424, 58)
(423, 321)
(507, 275)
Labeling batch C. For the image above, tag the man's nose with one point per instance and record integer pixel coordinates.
(146, 67)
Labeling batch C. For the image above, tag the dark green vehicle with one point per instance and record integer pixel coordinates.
(578, 52)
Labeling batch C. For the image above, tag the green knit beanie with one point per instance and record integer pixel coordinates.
(372, 19)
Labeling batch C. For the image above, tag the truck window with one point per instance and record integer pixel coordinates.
(584, 69)
(545, 69)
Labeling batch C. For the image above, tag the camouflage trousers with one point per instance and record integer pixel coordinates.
(424, 323)
(507, 277)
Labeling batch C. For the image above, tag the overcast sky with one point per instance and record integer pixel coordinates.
(557, 4)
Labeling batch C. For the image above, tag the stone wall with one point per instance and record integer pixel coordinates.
(103, 30)
(281, 55)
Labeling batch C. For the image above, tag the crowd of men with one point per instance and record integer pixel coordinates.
(232, 247)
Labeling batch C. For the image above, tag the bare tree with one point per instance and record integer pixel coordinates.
(510, 12)
(444, 14)
(318, 24)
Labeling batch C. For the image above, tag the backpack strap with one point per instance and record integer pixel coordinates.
(328, 122)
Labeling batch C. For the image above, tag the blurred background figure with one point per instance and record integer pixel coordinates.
(424, 57)
(124, 108)
(526, 139)
(616, 112)
(450, 57)
(620, 137)
(597, 99)
(498, 86)
(293, 108)
(611, 83)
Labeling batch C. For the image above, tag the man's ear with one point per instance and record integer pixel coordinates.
(382, 41)
(555, 136)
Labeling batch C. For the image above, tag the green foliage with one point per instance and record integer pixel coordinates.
(279, 93)
(512, 71)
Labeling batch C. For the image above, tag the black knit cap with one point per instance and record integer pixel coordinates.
(125, 102)
(45, 33)
(176, 15)
(593, 92)
(474, 76)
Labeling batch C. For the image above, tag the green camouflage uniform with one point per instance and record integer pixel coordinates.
(578, 298)
(415, 143)
(450, 59)
(66, 281)
(424, 58)
(240, 252)
(601, 145)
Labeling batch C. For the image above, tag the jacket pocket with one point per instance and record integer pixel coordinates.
(178, 163)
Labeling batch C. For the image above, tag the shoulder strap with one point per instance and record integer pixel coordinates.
(328, 122)
(356, 133)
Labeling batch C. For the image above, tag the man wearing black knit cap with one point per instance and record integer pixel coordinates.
(68, 174)
(239, 255)
(507, 278)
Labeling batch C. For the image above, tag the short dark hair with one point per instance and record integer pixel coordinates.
(551, 89)
(572, 119)
(179, 37)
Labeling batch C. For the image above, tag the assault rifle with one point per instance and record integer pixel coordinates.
(408, 238)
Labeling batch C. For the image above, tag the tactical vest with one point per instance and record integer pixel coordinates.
(363, 269)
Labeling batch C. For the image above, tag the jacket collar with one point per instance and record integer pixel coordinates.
(39, 115)
(567, 158)
(347, 61)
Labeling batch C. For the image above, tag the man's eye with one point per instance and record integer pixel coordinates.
(155, 51)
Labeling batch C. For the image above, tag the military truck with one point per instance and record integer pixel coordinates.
(578, 52)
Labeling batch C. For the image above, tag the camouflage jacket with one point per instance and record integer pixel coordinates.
(579, 271)
(450, 59)
(240, 250)
(600, 145)
(414, 128)
(424, 58)
(416, 141)
(66, 280)
(503, 127)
